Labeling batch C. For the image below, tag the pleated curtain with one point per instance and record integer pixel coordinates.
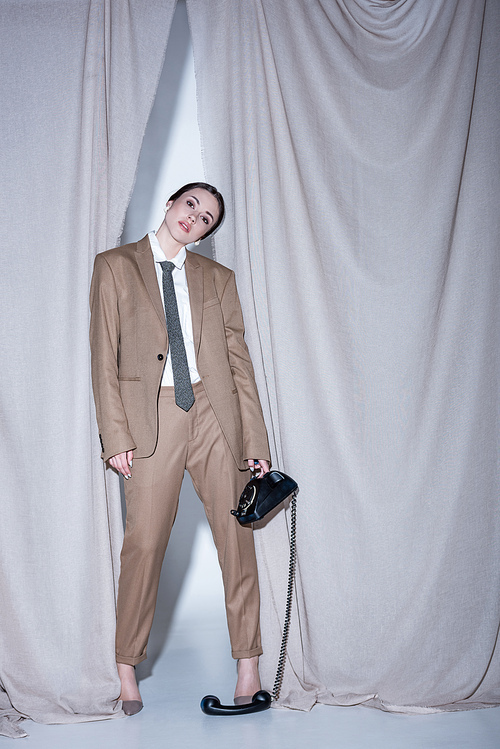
(78, 81)
(357, 144)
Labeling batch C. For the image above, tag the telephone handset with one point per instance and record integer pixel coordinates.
(260, 701)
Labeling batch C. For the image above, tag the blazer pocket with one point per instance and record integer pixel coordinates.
(129, 379)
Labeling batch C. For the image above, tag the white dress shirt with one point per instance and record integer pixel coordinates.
(182, 297)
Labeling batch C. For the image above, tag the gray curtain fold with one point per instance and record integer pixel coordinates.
(357, 143)
(78, 81)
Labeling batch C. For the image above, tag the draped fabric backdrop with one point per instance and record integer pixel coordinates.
(78, 81)
(357, 143)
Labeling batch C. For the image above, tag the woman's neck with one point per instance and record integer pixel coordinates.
(168, 244)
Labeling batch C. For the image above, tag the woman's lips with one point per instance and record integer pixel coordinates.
(185, 226)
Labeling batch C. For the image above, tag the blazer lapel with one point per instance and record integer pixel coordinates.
(147, 268)
(194, 276)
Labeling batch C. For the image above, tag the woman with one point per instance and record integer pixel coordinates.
(165, 408)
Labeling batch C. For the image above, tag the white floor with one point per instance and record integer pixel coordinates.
(195, 662)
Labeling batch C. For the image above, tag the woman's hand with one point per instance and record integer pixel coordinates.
(123, 463)
(256, 465)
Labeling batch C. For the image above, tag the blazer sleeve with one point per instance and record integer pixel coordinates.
(114, 431)
(255, 442)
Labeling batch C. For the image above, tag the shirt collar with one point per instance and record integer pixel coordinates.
(159, 255)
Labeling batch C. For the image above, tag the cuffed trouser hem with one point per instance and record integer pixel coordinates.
(237, 654)
(130, 661)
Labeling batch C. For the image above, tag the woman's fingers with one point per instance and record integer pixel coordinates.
(122, 463)
(263, 465)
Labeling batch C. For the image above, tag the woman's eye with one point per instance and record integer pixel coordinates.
(205, 219)
(190, 204)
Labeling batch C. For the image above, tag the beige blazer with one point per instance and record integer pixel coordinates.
(129, 346)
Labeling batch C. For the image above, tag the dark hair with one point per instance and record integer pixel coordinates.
(213, 191)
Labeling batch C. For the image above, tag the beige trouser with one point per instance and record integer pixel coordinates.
(194, 441)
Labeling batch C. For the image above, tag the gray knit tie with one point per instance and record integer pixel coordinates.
(182, 381)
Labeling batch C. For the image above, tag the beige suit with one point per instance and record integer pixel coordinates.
(129, 345)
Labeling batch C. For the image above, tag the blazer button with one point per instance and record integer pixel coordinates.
(160, 357)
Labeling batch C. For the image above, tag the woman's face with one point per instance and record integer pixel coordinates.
(190, 217)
